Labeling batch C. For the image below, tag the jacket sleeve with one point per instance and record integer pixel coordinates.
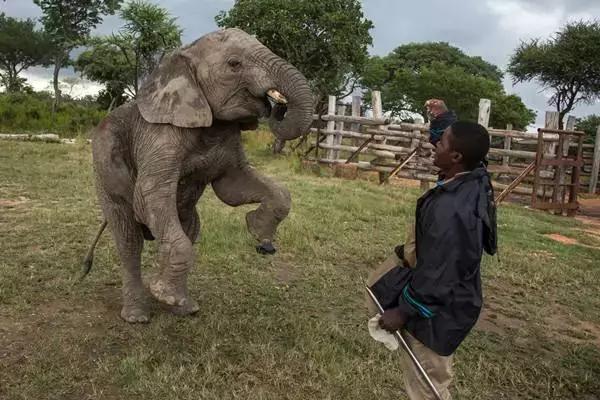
(450, 251)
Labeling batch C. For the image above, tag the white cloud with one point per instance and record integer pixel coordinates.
(525, 21)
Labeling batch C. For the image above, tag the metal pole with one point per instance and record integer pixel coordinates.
(405, 346)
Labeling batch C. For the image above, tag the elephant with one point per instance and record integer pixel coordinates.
(154, 156)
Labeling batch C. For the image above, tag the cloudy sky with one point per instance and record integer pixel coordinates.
(488, 28)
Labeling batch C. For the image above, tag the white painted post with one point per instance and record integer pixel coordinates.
(507, 143)
(330, 126)
(377, 106)
(356, 102)
(485, 107)
(339, 126)
(595, 164)
(378, 113)
(376, 103)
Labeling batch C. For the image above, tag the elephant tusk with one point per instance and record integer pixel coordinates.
(276, 96)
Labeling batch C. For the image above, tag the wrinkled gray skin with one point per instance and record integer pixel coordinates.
(154, 157)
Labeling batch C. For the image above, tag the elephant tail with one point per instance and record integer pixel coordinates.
(89, 258)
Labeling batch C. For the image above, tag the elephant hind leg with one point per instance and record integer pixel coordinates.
(129, 241)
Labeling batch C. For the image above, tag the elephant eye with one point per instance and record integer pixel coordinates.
(234, 63)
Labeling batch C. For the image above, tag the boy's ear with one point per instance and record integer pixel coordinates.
(457, 158)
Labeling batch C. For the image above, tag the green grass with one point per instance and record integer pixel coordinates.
(291, 326)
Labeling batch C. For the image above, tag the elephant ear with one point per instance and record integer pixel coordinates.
(172, 95)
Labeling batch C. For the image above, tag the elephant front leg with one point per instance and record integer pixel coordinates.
(246, 186)
(156, 204)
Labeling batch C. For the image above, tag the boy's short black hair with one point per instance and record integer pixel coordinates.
(472, 141)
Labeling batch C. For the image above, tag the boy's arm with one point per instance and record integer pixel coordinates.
(440, 118)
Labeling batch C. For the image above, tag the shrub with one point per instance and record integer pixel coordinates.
(32, 113)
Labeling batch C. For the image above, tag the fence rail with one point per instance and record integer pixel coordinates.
(378, 144)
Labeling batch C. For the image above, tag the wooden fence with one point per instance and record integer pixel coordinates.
(378, 145)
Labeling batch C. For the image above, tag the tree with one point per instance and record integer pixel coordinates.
(68, 24)
(21, 47)
(589, 125)
(567, 64)
(416, 72)
(120, 61)
(326, 40)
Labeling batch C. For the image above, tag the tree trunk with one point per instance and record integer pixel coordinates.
(113, 101)
(57, 65)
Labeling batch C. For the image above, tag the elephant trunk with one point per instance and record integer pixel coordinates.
(293, 119)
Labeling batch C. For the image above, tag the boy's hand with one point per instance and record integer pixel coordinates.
(392, 320)
(435, 108)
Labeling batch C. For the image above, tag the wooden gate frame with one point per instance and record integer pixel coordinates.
(560, 162)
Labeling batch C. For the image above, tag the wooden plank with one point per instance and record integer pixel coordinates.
(521, 135)
(363, 148)
(407, 174)
(595, 164)
(405, 126)
(354, 120)
(515, 183)
(530, 155)
(396, 170)
(557, 162)
(559, 131)
(391, 133)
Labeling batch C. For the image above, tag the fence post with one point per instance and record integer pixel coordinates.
(560, 171)
(339, 126)
(330, 126)
(485, 107)
(507, 144)
(595, 163)
(377, 114)
(551, 122)
(356, 102)
(552, 118)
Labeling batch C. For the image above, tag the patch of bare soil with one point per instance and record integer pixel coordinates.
(20, 335)
(562, 325)
(498, 317)
(284, 274)
(561, 239)
(13, 203)
(590, 207)
(411, 183)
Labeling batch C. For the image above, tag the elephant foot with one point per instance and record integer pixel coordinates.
(166, 293)
(135, 314)
(266, 247)
(189, 308)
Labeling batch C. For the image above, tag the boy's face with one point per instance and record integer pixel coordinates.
(445, 157)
